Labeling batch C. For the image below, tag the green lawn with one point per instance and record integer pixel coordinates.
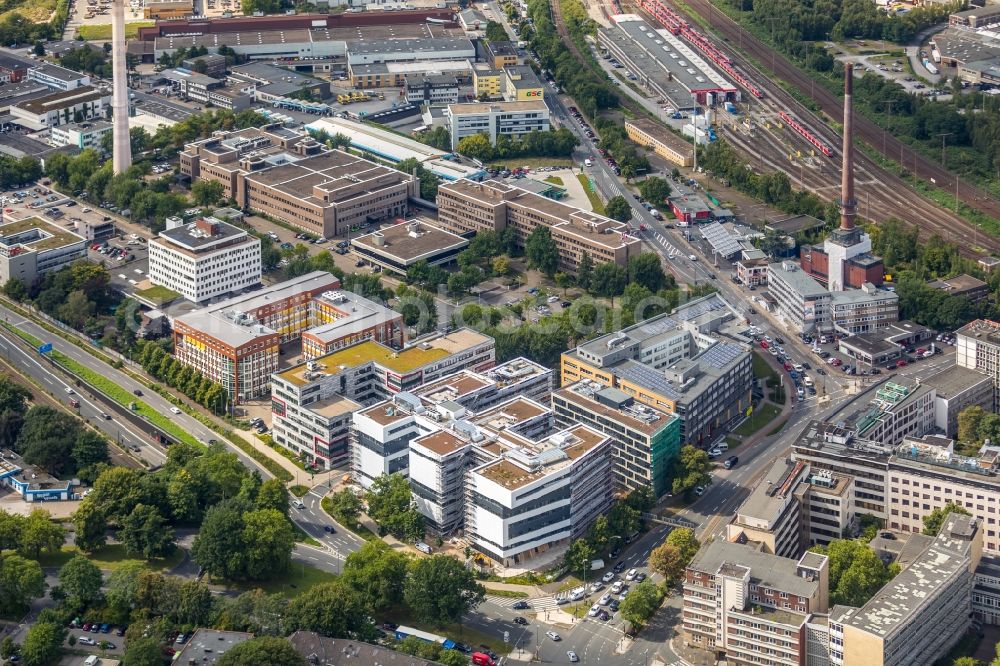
(455, 632)
(111, 557)
(508, 594)
(595, 201)
(158, 294)
(762, 369)
(555, 180)
(103, 31)
(299, 490)
(761, 416)
(292, 583)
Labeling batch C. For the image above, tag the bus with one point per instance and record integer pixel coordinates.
(402, 632)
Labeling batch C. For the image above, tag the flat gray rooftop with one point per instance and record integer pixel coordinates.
(771, 571)
(954, 380)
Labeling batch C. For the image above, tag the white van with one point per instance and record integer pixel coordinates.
(587, 162)
(422, 547)
(692, 257)
(92, 660)
(578, 593)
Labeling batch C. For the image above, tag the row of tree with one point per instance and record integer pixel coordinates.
(591, 91)
(16, 172)
(164, 366)
(554, 143)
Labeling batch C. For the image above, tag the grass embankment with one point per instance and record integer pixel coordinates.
(298, 579)
(555, 180)
(355, 527)
(111, 557)
(124, 398)
(299, 490)
(36, 11)
(760, 417)
(508, 594)
(595, 201)
(103, 31)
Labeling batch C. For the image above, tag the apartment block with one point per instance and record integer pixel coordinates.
(679, 363)
(750, 607)
(235, 342)
(986, 590)
(205, 259)
(494, 119)
(977, 347)
(31, 247)
(294, 178)
(921, 613)
(661, 140)
(488, 82)
(466, 207)
(646, 441)
(313, 405)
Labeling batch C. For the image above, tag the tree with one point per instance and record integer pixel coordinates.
(377, 573)
(641, 603)
(599, 534)
(330, 609)
(666, 560)
(654, 190)
(43, 644)
(15, 289)
(452, 658)
(495, 32)
(578, 557)
(39, 533)
(500, 266)
(856, 571)
(623, 520)
(690, 469)
(21, 580)
(39, 49)
(268, 541)
(206, 192)
(13, 396)
(441, 590)
(390, 504)
(966, 661)
(122, 588)
(477, 147)
(273, 494)
(46, 439)
(219, 544)
(345, 506)
(617, 208)
(81, 580)
(647, 270)
(609, 280)
(935, 519)
(585, 271)
(969, 420)
(89, 448)
(683, 539)
(143, 652)
(263, 651)
(144, 532)
(541, 250)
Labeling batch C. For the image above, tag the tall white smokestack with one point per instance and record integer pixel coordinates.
(122, 152)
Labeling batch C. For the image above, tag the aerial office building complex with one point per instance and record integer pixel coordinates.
(294, 178)
(466, 207)
(313, 403)
(205, 259)
(678, 364)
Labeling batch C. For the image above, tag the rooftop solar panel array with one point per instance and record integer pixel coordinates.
(649, 378)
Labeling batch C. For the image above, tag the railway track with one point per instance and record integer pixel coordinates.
(929, 216)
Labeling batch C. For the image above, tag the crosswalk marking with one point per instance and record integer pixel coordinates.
(539, 604)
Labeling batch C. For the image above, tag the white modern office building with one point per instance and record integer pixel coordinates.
(493, 119)
(205, 259)
(81, 135)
